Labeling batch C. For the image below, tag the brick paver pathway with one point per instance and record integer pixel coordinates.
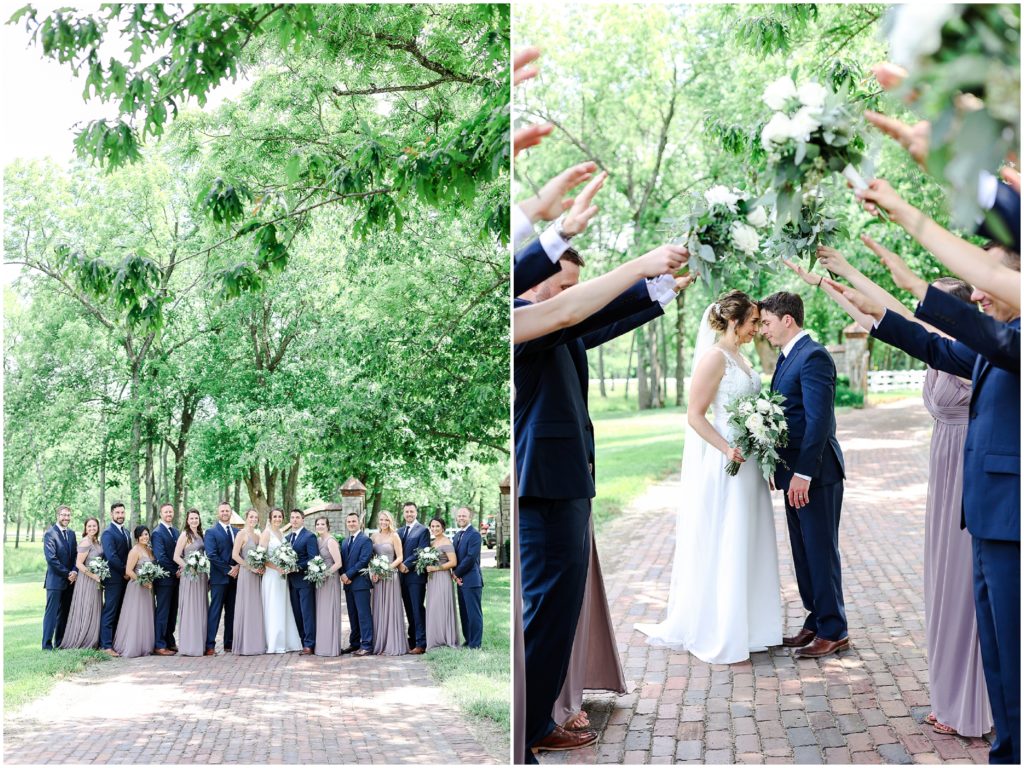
(252, 710)
(864, 706)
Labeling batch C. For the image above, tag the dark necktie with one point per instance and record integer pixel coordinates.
(67, 541)
(127, 539)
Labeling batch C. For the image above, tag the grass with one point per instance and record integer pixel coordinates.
(28, 672)
(479, 681)
(25, 560)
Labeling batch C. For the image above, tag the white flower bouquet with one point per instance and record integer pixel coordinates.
(379, 566)
(813, 133)
(197, 564)
(285, 558)
(256, 558)
(426, 557)
(723, 225)
(760, 430)
(100, 568)
(149, 572)
(316, 571)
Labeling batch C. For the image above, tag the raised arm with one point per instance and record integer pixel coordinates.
(837, 264)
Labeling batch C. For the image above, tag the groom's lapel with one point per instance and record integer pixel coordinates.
(797, 348)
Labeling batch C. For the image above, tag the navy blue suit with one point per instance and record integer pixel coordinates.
(219, 543)
(1007, 210)
(467, 550)
(356, 552)
(531, 267)
(302, 592)
(61, 560)
(555, 481)
(414, 585)
(165, 591)
(989, 352)
(807, 379)
(116, 545)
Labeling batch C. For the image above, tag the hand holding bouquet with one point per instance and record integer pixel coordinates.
(100, 569)
(316, 571)
(197, 564)
(149, 572)
(426, 557)
(379, 568)
(256, 558)
(761, 429)
(285, 558)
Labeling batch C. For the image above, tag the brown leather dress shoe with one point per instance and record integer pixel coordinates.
(822, 647)
(560, 740)
(163, 652)
(799, 640)
(306, 652)
(210, 652)
(417, 651)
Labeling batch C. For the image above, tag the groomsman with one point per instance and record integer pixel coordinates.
(414, 536)
(219, 540)
(469, 579)
(61, 551)
(116, 543)
(303, 593)
(356, 551)
(165, 539)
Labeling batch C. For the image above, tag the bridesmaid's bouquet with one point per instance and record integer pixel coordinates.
(256, 558)
(760, 429)
(379, 566)
(426, 557)
(197, 564)
(316, 571)
(149, 572)
(284, 557)
(100, 568)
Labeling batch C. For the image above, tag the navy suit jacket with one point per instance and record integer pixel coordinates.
(61, 558)
(532, 266)
(306, 547)
(411, 545)
(807, 379)
(115, 550)
(989, 352)
(218, 548)
(355, 555)
(467, 550)
(554, 434)
(164, 543)
(1007, 210)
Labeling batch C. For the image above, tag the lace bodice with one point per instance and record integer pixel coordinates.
(735, 383)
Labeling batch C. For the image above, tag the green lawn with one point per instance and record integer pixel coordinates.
(479, 681)
(26, 559)
(28, 672)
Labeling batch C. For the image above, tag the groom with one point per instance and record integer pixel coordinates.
(303, 595)
(811, 473)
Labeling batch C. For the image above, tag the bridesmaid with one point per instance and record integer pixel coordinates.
(442, 624)
(328, 595)
(83, 629)
(193, 594)
(136, 633)
(389, 635)
(249, 637)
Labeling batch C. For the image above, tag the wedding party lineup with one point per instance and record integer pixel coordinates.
(512, 383)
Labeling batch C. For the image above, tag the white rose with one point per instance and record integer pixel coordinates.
(746, 408)
(722, 195)
(754, 422)
(812, 95)
(802, 124)
(764, 406)
(777, 131)
(758, 217)
(917, 31)
(744, 237)
(777, 94)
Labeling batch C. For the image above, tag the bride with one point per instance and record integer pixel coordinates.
(724, 599)
(278, 619)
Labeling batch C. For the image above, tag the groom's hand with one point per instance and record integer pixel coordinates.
(798, 493)
(551, 201)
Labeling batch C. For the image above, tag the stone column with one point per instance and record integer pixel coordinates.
(856, 346)
(503, 524)
(353, 499)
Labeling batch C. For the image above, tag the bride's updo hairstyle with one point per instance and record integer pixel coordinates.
(733, 305)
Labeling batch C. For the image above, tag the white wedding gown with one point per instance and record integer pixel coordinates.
(278, 620)
(724, 599)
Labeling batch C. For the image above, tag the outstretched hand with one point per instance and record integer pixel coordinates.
(889, 75)
(902, 275)
(550, 202)
(663, 260)
(582, 210)
(833, 261)
(803, 274)
(880, 196)
(913, 138)
(520, 61)
(855, 297)
(530, 136)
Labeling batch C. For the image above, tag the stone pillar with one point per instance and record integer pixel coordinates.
(503, 524)
(857, 358)
(353, 499)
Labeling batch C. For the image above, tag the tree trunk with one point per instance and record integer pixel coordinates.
(600, 370)
(291, 482)
(189, 402)
(150, 483)
(643, 370)
(376, 493)
(103, 470)
(133, 453)
(766, 354)
(629, 363)
(680, 356)
(270, 480)
(32, 532)
(17, 530)
(238, 500)
(664, 359)
(257, 496)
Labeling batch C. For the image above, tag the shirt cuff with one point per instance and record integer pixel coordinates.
(522, 227)
(662, 289)
(802, 477)
(553, 244)
(988, 185)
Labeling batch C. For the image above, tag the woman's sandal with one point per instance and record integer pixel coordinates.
(946, 730)
(931, 718)
(574, 723)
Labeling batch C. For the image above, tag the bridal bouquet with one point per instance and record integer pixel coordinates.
(256, 558)
(100, 568)
(722, 225)
(284, 557)
(316, 572)
(813, 133)
(150, 572)
(426, 557)
(197, 564)
(379, 566)
(760, 429)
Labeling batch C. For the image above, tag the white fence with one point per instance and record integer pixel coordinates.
(887, 381)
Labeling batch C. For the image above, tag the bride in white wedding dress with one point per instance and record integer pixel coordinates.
(278, 620)
(724, 600)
